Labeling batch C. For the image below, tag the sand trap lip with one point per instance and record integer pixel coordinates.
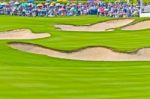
(87, 54)
(104, 26)
(138, 26)
(22, 34)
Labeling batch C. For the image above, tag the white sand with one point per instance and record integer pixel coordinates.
(104, 26)
(22, 34)
(90, 54)
(138, 26)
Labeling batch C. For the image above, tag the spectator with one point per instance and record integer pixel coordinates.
(117, 9)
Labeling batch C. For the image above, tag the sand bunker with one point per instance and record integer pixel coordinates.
(138, 26)
(90, 54)
(22, 34)
(104, 26)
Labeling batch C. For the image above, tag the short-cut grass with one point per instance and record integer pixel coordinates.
(30, 76)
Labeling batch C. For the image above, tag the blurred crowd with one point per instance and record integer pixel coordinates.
(99, 8)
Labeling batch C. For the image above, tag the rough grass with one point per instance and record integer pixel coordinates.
(30, 76)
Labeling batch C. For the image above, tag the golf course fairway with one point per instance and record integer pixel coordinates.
(26, 75)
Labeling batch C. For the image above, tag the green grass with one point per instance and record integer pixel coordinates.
(30, 76)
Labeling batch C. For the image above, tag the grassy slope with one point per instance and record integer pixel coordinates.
(24, 75)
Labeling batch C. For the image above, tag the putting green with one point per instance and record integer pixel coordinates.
(24, 75)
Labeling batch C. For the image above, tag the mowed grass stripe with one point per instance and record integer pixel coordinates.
(82, 95)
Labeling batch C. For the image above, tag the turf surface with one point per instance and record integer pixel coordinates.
(31, 76)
